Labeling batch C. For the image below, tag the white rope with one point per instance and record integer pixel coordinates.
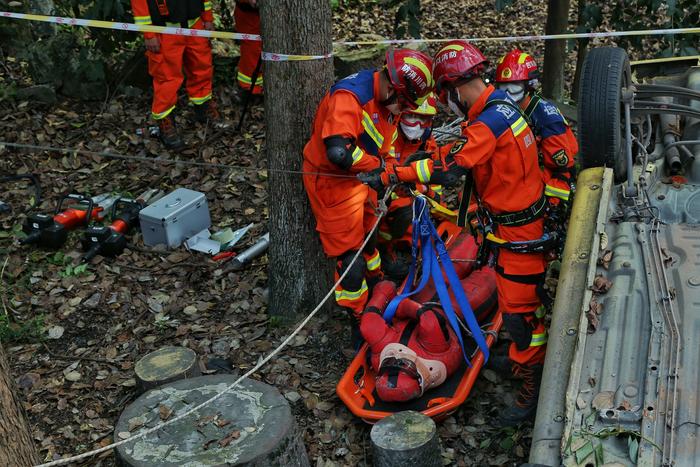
(235, 383)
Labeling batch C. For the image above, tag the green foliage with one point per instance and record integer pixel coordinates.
(71, 270)
(31, 330)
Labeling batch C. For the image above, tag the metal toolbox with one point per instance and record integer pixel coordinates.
(174, 218)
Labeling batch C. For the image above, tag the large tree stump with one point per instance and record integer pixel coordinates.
(165, 365)
(406, 439)
(252, 425)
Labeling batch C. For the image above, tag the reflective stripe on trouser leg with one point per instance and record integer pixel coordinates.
(165, 68)
(374, 264)
(352, 291)
(529, 338)
(354, 300)
(198, 67)
(248, 22)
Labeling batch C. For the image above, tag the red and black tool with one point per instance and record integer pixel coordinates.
(111, 240)
(52, 231)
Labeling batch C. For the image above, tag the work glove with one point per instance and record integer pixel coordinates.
(447, 172)
(417, 156)
(378, 179)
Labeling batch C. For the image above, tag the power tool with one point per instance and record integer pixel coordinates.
(111, 240)
(52, 231)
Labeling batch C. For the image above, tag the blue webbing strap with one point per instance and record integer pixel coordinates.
(458, 292)
(430, 243)
(421, 236)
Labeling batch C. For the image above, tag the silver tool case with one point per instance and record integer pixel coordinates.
(174, 218)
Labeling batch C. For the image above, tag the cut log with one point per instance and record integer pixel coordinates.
(405, 439)
(252, 425)
(351, 59)
(165, 365)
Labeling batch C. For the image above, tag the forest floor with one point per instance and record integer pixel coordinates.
(73, 336)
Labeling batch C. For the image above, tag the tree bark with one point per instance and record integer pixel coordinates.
(581, 53)
(16, 444)
(299, 273)
(555, 51)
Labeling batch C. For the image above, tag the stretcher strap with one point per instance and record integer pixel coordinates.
(422, 239)
(432, 248)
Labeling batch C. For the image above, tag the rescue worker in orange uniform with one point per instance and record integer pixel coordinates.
(354, 131)
(169, 54)
(247, 17)
(517, 75)
(498, 155)
(414, 137)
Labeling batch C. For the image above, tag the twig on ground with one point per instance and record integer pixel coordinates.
(77, 357)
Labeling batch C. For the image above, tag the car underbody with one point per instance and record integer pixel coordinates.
(621, 379)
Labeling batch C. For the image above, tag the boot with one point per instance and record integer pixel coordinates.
(169, 135)
(208, 112)
(356, 339)
(525, 405)
(502, 365)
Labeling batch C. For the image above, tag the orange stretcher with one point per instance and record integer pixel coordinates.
(357, 386)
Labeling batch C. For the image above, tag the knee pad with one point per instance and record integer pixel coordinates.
(353, 280)
(519, 329)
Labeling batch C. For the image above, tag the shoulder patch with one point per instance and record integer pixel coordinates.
(457, 146)
(560, 158)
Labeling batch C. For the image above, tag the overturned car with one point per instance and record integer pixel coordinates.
(622, 373)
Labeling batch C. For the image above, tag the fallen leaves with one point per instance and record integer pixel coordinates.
(601, 285)
(605, 258)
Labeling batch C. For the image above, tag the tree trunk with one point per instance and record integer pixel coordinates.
(299, 273)
(16, 444)
(555, 51)
(581, 52)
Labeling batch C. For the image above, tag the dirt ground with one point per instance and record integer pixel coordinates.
(74, 336)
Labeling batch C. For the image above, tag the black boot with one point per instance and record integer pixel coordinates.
(502, 365)
(169, 135)
(209, 112)
(525, 405)
(356, 339)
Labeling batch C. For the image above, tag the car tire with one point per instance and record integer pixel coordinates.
(605, 72)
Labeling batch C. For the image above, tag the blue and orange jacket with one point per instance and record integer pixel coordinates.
(351, 109)
(500, 149)
(557, 145)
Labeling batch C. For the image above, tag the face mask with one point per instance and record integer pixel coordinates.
(413, 133)
(454, 103)
(516, 91)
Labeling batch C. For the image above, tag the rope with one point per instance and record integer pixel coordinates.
(270, 56)
(250, 372)
(161, 160)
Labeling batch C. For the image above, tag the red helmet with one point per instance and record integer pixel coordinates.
(455, 61)
(410, 73)
(516, 65)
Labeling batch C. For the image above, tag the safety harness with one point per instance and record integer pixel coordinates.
(485, 221)
(435, 262)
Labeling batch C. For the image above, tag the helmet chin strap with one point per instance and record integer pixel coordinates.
(455, 103)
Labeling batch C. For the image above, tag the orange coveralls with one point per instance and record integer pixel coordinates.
(501, 151)
(247, 20)
(343, 206)
(177, 52)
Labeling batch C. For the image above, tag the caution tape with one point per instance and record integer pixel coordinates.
(278, 57)
(176, 31)
(271, 57)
